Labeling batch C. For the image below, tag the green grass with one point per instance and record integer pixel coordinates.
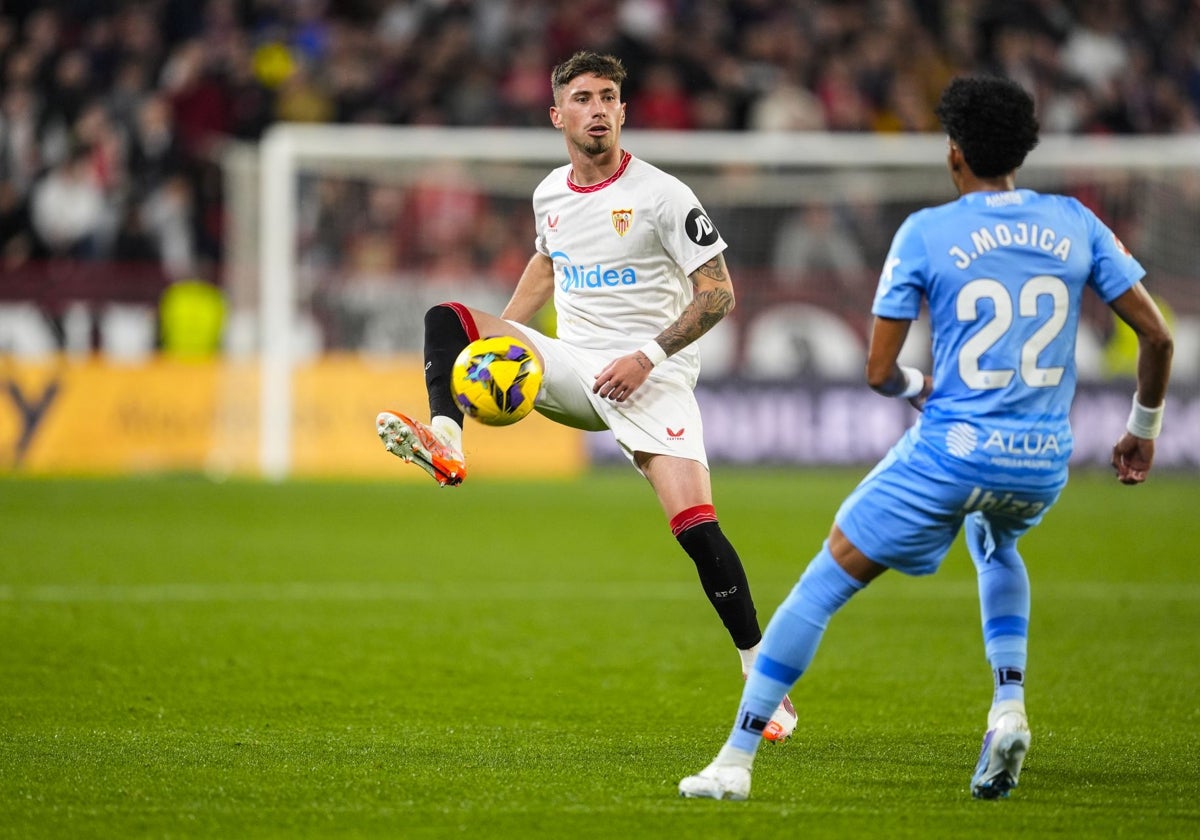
(186, 659)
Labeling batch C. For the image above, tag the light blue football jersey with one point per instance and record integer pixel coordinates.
(1003, 274)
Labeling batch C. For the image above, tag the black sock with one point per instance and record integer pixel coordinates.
(445, 337)
(723, 578)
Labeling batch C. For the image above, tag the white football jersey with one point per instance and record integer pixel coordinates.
(622, 252)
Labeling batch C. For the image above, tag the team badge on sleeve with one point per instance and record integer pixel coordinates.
(699, 228)
(622, 220)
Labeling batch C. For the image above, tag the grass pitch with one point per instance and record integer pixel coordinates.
(186, 659)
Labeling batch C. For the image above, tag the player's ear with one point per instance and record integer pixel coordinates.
(622, 120)
(954, 157)
(555, 117)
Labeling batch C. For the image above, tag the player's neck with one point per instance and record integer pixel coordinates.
(1005, 183)
(588, 170)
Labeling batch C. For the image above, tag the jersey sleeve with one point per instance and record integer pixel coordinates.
(903, 279)
(688, 235)
(539, 238)
(1114, 269)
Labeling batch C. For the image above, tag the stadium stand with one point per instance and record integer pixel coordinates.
(112, 113)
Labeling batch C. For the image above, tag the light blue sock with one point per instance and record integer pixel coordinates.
(1003, 607)
(789, 644)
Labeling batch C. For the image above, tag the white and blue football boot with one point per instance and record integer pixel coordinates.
(1004, 746)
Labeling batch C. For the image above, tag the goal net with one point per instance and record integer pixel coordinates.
(340, 237)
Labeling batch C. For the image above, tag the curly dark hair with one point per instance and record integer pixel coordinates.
(992, 120)
(584, 62)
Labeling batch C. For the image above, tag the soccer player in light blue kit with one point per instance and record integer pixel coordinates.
(1003, 271)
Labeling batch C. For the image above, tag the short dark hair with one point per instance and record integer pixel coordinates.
(584, 62)
(992, 120)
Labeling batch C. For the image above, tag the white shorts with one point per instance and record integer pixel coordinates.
(661, 418)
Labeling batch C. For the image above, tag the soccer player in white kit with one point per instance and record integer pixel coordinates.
(636, 272)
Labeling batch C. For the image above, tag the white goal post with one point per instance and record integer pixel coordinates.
(288, 150)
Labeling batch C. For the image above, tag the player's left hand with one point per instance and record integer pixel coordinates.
(621, 377)
(918, 402)
(1132, 458)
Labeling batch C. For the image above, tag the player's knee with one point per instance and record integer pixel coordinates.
(1007, 555)
(825, 583)
(450, 319)
(440, 312)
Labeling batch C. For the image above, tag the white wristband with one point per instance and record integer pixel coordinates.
(1144, 423)
(914, 382)
(654, 352)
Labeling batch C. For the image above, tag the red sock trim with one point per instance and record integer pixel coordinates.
(692, 517)
(464, 318)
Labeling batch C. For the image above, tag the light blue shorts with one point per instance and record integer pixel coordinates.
(907, 512)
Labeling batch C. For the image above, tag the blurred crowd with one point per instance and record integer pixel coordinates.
(113, 112)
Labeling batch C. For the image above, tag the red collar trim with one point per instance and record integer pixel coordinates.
(625, 158)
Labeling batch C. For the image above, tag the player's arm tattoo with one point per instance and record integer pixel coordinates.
(707, 307)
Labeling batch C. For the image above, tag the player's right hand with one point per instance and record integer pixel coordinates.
(621, 377)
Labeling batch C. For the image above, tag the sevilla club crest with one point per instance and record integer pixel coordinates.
(622, 221)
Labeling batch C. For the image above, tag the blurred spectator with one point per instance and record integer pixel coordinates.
(132, 83)
(68, 93)
(1095, 50)
(251, 103)
(20, 150)
(16, 243)
(816, 250)
(846, 106)
(68, 210)
(786, 106)
(167, 214)
(661, 102)
(107, 149)
(41, 38)
(134, 244)
(155, 153)
(443, 211)
(524, 87)
(374, 242)
(301, 99)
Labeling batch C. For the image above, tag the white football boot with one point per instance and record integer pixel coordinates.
(718, 781)
(1004, 746)
(415, 443)
(782, 723)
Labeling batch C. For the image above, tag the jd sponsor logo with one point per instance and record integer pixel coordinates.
(700, 228)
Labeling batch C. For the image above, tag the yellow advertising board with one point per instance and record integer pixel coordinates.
(91, 416)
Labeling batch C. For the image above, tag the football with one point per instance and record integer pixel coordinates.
(495, 380)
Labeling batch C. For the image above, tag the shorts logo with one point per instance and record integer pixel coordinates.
(699, 228)
(961, 440)
(622, 221)
(1002, 502)
(675, 435)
